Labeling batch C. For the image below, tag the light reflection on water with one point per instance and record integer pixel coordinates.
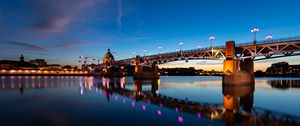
(95, 97)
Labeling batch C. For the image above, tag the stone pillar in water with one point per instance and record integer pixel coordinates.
(138, 70)
(233, 75)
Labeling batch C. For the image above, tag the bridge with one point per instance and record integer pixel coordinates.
(238, 59)
(264, 49)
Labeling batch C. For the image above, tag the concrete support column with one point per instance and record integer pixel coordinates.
(138, 70)
(231, 67)
(155, 71)
(248, 66)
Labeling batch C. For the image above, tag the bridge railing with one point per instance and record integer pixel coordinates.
(287, 39)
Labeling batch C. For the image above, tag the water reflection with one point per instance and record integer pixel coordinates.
(237, 108)
(284, 84)
(237, 100)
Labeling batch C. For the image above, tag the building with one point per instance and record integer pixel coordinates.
(283, 68)
(50, 67)
(294, 69)
(21, 58)
(39, 62)
(108, 58)
(21, 64)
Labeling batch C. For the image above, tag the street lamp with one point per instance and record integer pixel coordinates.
(159, 49)
(269, 37)
(254, 30)
(144, 52)
(181, 44)
(211, 38)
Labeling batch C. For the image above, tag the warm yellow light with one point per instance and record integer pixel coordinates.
(229, 101)
(12, 71)
(158, 82)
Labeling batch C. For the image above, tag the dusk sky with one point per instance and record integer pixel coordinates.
(62, 30)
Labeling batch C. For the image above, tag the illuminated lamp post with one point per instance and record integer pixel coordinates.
(180, 44)
(269, 37)
(144, 52)
(159, 49)
(211, 38)
(254, 31)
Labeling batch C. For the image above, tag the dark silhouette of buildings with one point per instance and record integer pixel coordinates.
(39, 62)
(21, 58)
(191, 71)
(283, 68)
(21, 64)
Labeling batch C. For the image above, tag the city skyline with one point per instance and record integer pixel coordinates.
(60, 32)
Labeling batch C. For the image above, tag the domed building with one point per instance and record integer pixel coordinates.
(108, 58)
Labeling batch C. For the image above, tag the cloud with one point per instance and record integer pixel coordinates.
(76, 43)
(38, 53)
(122, 38)
(56, 15)
(120, 13)
(26, 46)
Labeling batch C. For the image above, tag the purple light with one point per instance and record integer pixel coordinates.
(180, 119)
(132, 104)
(176, 109)
(124, 100)
(144, 107)
(159, 112)
(116, 98)
(160, 105)
(198, 115)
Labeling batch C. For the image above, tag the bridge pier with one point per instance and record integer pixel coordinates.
(236, 72)
(138, 69)
(140, 74)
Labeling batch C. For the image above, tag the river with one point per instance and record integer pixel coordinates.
(82, 100)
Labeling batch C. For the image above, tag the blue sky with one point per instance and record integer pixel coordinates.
(62, 30)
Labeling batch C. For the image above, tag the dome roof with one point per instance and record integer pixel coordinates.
(108, 55)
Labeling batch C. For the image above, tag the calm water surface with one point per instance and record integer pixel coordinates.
(75, 100)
